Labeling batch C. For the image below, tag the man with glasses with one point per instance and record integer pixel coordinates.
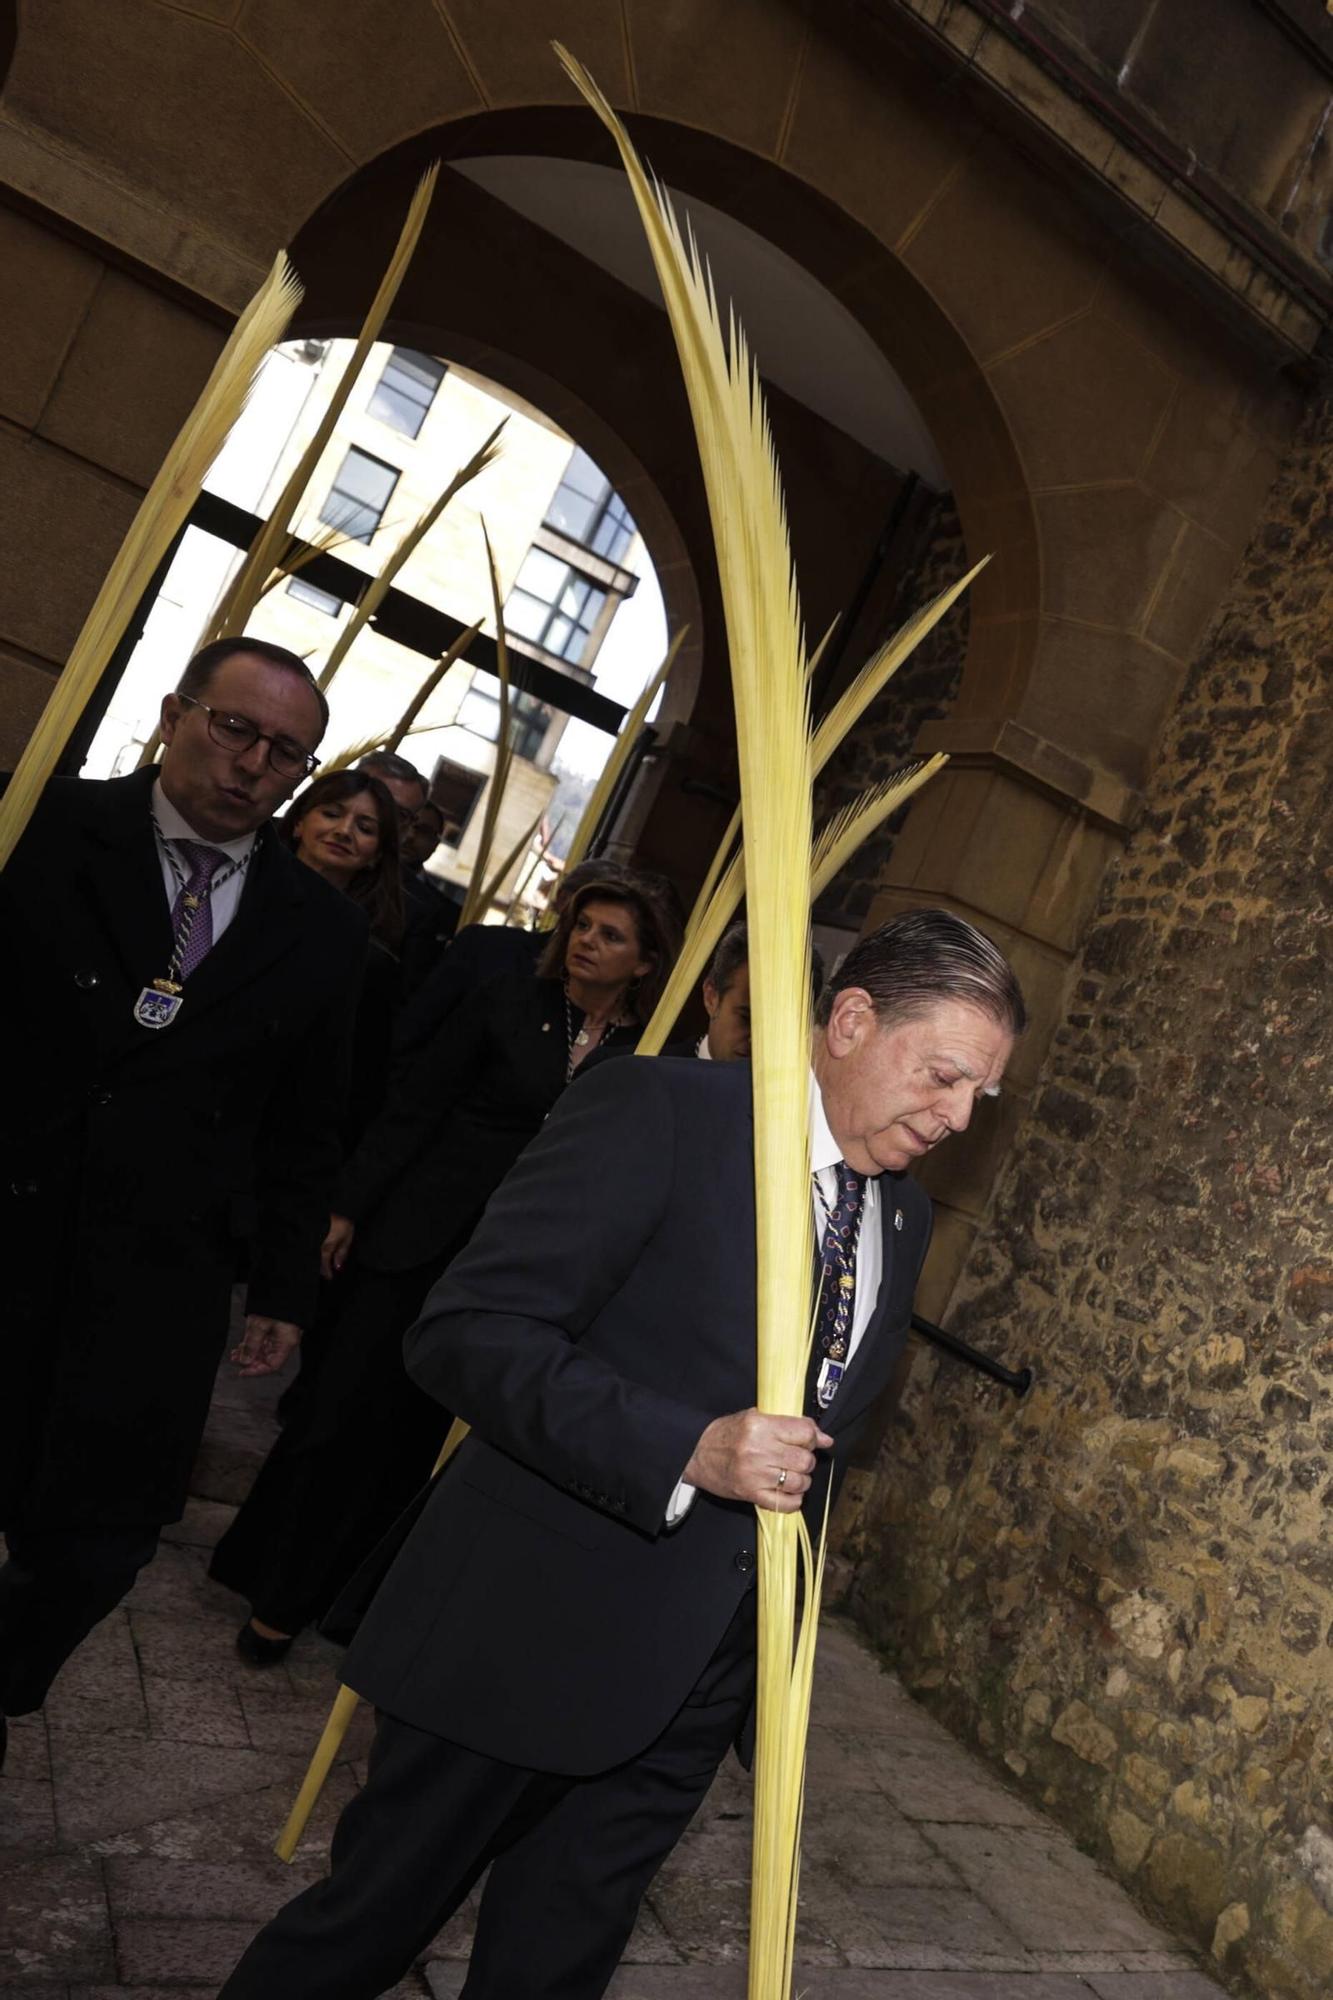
(176, 1018)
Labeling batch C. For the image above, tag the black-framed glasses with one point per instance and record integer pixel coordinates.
(238, 734)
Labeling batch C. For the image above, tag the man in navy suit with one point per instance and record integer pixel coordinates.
(565, 1645)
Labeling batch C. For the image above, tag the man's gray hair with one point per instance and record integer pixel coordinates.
(915, 961)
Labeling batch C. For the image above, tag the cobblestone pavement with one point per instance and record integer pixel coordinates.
(137, 1815)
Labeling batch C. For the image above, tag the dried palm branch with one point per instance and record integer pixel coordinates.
(604, 790)
(406, 548)
(163, 510)
(538, 858)
(768, 664)
(406, 724)
(852, 827)
(856, 698)
(474, 902)
(272, 539)
(345, 759)
(490, 894)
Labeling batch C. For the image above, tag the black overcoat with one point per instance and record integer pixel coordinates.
(602, 1315)
(142, 1169)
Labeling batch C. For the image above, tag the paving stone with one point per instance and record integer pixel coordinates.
(195, 1712)
(27, 1756)
(240, 1828)
(243, 1891)
(840, 1762)
(99, 1687)
(203, 1526)
(198, 1952)
(173, 1648)
(1180, 1985)
(881, 1848)
(176, 1582)
(105, 1784)
(951, 1920)
(701, 1982)
(277, 1718)
(942, 1783)
(1051, 1895)
(27, 1815)
(53, 1921)
(414, 1988)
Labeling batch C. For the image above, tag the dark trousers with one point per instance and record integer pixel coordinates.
(570, 1858)
(358, 1444)
(56, 1585)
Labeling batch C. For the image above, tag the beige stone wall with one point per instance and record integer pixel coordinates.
(97, 372)
(1123, 1587)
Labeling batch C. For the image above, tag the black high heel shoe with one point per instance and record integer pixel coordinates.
(259, 1651)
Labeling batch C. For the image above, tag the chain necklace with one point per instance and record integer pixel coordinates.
(162, 999)
(581, 1040)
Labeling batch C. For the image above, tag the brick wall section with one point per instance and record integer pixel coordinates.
(921, 691)
(1123, 1588)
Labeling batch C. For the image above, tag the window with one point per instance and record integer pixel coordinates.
(529, 719)
(455, 791)
(318, 600)
(359, 495)
(406, 390)
(553, 605)
(587, 508)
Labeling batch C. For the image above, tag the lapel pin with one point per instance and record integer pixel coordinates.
(897, 1218)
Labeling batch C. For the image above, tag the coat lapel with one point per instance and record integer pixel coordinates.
(122, 878)
(869, 1364)
(257, 935)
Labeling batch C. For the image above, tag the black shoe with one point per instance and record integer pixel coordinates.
(259, 1651)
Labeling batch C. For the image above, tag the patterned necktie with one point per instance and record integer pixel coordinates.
(194, 897)
(837, 1291)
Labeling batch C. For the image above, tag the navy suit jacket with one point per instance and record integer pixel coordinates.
(601, 1316)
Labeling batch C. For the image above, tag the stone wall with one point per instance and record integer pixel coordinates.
(1122, 1588)
(921, 691)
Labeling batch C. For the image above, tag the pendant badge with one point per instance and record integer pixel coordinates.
(826, 1388)
(155, 1008)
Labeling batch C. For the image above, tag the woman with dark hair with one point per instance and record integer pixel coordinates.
(360, 1445)
(345, 826)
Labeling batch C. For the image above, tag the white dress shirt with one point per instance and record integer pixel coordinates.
(824, 1156)
(226, 898)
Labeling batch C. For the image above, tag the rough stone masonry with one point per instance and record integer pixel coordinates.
(1123, 1587)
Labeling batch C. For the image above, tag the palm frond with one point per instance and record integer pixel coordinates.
(768, 663)
(262, 557)
(852, 827)
(474, 904)
(407, 547)
(492, 890)
(604, 790)
(874, 676)
(161, 514)
(405, 725)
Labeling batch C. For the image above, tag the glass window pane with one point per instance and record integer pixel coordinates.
(572, 514)
(576, 648)
(406, 389)
(480, 713)
(359, 495)
(542, 575)
(318, 600)
(525, 615)
(557, 635)
(574, 595)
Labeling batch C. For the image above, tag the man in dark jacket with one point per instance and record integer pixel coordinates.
(565, 1646)
(176, 1020)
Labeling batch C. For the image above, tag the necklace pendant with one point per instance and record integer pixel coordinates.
(581, 1039)
(159, 1004)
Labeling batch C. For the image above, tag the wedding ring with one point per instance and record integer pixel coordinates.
(782, 1477)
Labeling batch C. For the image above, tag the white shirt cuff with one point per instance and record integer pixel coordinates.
(680, 1503)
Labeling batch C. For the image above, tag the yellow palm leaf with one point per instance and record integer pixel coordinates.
(407, 547)
(406, 725)
(273, 537)
(163, 510)
(768, 664)
(850, 828)
(474, 904)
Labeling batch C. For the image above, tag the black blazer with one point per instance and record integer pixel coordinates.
(476, 955)
(141, 1168)
(601, 1316)
(456, 1120)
